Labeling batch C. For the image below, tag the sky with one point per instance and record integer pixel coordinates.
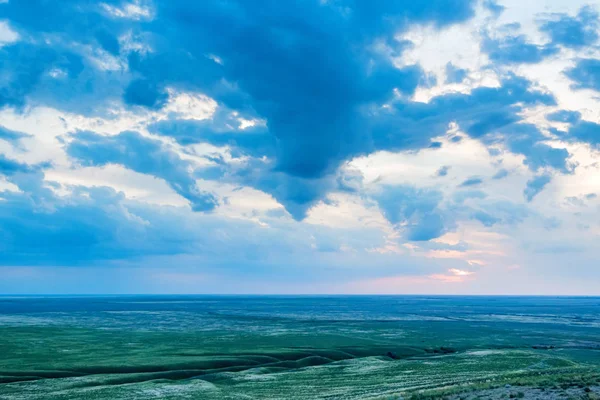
(286, 147)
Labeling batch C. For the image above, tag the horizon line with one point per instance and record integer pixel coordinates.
(290, 294)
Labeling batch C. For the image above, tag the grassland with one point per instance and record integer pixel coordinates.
(169, 353)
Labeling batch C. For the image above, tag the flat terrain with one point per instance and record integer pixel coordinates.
(212, 347)
(531, 393)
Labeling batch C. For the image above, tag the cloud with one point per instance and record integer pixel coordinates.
(540, 155)
(312, 83)
(472, 181)
(241, 110)
(460, 272)
(297, 194)
(91, 226)
(573, 32)
(480, 113)
(490, 115)
(443, 170)
(41, 228)
(501, 174)
(98, 226)
(585, 131)
(413, 211)
(7, 35)
(483, 114)
(485, 218)
(224, 128)
(494, 7)
(10, 135)
(141, 92)
(404, 126)
(454, 276)
(535, 186)
(585, 74)
(463, 195)
(10, 167)
(526, 139)
(307, 80)
(455, 74)
(54, 74)
(319, 87)
(505, 212)
(516, 50)
(95, 225)
(566, 116)
(144, 155)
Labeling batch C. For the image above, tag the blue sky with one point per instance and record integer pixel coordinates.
(318, 146)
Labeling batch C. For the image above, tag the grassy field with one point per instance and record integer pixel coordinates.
(168, 353)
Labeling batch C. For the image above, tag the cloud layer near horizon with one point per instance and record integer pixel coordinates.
(322, 146)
